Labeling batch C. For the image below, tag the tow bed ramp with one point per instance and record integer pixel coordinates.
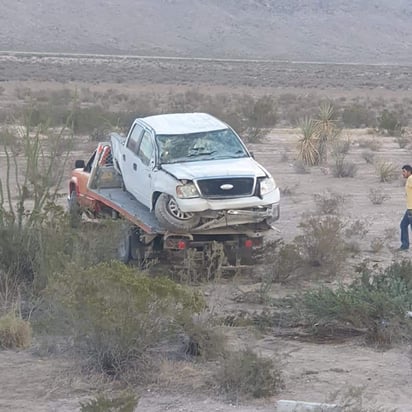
(130, 208)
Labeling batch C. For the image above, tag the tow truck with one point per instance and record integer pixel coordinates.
(96, 189)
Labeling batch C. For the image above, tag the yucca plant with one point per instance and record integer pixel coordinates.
(325, 129)
(308, 142)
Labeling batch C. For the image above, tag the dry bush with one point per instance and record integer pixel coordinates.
(204, 340)
(322, 244)
(386, 171)
(329, 202)
(352, 400)
(377, 195)
(372, 144)
(368, 156)
(403, 141)
(244, 374)
(300, 167)
(377, 245)
(344, 168)
(281, 263)
(15, 333)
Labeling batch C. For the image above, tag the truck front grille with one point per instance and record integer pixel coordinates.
(226, 187)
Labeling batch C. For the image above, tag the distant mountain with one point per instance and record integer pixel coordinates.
(364, 31)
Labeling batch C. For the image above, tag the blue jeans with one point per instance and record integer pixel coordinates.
(405, 222)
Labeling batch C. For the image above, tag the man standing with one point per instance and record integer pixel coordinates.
(407, 218)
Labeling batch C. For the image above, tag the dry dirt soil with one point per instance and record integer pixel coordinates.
(312, 369)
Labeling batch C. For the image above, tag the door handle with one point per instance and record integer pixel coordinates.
(134, 166)
(124, 157)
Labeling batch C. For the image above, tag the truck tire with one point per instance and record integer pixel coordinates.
(171, 217)
(124, 247)
(75, 212)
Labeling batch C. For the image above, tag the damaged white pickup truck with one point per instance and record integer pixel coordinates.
(194, 171)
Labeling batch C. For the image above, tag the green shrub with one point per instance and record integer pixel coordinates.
(390, 123)
(115, 314)
(376, 303)
(15, 333)
(102, 403)
(356, 116)
(244, 374)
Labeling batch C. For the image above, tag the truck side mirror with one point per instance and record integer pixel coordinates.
(252, 155)
(79, 164)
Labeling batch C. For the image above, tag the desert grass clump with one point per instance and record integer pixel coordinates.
(244, 374)
(386, 171)
(15, 332)
(377, 195)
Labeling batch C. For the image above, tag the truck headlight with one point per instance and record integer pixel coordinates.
(267, 185)
(186, 191)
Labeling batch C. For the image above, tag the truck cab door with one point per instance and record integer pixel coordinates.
(128, 159)
(144, 168)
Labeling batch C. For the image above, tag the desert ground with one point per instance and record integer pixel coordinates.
(313, 368)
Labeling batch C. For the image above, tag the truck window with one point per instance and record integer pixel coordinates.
(146, 147)
(133, 140)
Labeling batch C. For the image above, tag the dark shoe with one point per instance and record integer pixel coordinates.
(403, 248)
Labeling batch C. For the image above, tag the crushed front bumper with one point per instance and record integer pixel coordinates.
(234, 217)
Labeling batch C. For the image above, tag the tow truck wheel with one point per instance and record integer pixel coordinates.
(171, 217)
(124, 247)
(75, 212)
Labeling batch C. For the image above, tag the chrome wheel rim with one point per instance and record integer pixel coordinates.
(176, 212)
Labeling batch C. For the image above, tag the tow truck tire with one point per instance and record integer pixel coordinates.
(124, 247)
(75, 212)
(171, 217)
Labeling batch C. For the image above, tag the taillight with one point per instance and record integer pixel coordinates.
(248, 243)
(181, 245)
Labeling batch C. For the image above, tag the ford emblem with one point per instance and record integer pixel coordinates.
(226, 186)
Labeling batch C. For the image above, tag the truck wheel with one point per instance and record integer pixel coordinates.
(124, 247)
(75, 212)
(171, 217)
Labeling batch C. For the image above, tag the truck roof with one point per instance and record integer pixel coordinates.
(183, 123)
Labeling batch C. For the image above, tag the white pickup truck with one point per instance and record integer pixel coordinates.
(194, 171)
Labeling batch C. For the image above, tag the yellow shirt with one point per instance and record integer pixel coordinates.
(408, 189)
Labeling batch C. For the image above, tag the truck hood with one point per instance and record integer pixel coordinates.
(245, 166)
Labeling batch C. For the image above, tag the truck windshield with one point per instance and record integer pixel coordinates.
(217, 144)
